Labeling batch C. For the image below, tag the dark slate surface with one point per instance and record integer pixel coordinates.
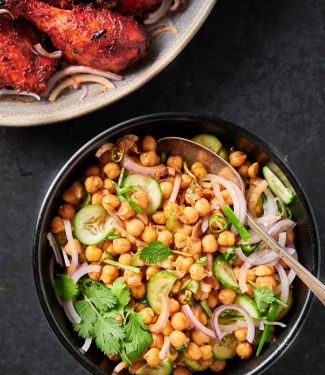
(256, 63)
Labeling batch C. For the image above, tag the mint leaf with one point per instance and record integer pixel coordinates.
(65, 287)
(155, 252)
(108, 332)
(88, 318)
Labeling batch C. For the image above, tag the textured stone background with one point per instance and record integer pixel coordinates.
(257, 63)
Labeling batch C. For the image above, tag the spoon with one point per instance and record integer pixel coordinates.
(193, 152)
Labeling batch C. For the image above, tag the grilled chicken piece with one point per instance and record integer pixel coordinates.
(20, 68)
(86, 35)
(137, 7)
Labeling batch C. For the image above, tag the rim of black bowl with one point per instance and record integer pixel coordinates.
(303, 314)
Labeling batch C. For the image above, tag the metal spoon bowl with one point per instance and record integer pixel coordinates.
(193, 152)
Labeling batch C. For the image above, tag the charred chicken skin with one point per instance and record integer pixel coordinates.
(137, 6)
(88, 36)
(20, 68)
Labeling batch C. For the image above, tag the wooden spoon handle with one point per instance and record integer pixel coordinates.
(317, 287)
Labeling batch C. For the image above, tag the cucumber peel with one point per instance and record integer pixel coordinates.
(224, 273)
(162, 281)
(277, 186)
(165, 367)
(209, 141)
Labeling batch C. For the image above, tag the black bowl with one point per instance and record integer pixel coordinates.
(184, 125)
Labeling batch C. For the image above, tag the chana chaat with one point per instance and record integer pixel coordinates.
(160, 272)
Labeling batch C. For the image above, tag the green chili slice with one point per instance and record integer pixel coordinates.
(122, 177)
(230, 255)
(242, 231)
(266, 332)
(218, 224)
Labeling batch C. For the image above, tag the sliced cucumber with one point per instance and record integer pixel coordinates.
(224, 273)
(277, 186)
(173, 224)
(226, 348)
(223, 153)
(165, 367)
(284, 311)
(92, 224)
(200, 365)
(161, 282)
(249, 305)
(209, 141)
(148, 184)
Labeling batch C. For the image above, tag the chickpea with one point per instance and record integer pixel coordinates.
(226, 197)
(209, 243)
(226, 238)
(176, 287)
(112, 170)
(136, 366)
(166, 237)
(190, 216)
(183, 263)
(185, 181)
(157, 341)
(109, 274)
(110, 202)
(148, 159)
(253, 170)
(148, 143)
(151, 271)
(125, 211)
(135, 227)
(193, 352)
(77, 244)
(147, 315)
(237, 159)
(212, 299)
(57, 225)
(182, 371)
(180, 240)
(194, 245)
(138, 292)
(93, 170)
(108, 184)
(218, 366)
(199, 170)
(264, 270)
(244, 350)
(125, 259)
(268, 281)
(67, 211)
(172, 357)
(140, 198)
(149, 234)
(166, 189)
(121, 245)
(202, 317)
(168, 329)
(175, 162)
(97, 198)
(290, 236)
(74, 193)
(226, 296)
(178, 339)
(140, 307)
(241, 334)
(152, 357)
(197, 272)
(93, 253)
(188, 229)
(159, 217)
(182, 299)
(250, 289)
(94, 275)
(202, 207)
(200, 338)
(93, 184)
(179, 321)
(243, 169)
(173, 306)
(206, 352)
(132, 278)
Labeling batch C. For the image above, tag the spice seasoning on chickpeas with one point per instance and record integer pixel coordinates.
(156, 257)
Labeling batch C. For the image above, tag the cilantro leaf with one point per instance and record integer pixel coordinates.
(88, 318)
(263, 297)
(65, 287)
(155, 252)
(100, 296)
(137, 336)
(120, 290)
(107, 333)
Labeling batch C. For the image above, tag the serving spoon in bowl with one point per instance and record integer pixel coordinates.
(193, 152)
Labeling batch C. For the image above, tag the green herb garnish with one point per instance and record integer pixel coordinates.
(155, 252)
(121, 265)
(65, 287)
(264, 296)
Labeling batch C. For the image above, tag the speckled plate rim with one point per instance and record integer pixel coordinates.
(155, 68)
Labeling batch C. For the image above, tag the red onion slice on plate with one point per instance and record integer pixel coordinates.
(83, 270)
(55, 248)
(196, 323)
(71, 312)
(165, 348)
(159, 13)
(176, 187)
(72, 245)
(133, 166)
(85, 347)
(163, 317)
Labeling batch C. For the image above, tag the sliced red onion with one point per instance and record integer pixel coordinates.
(159, 13)
(197, 324)
(253, 239)
(229, 328)
(283, 282)
(83, 270)
(240, 254)
(205, 224)
(19, 93)
(65, 257)
(67, 312)
(7, 11)
(131, 165)
(268, 220)
(270, 206)
(212, 280)
(104, 148)
(263, 256)
(176, 187)
(117, 220)
(55, 248)
(37, 49)
(164, 315)
(120, 367)
(218, 195)
(174, 5)
(85, 347)
(243, 275)
(165, 348)
(70, 310)
(205, 287)
(253, 199)
(282, 239)
(281, 226)
(250, 323)
(72, 245)
(85, 92)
